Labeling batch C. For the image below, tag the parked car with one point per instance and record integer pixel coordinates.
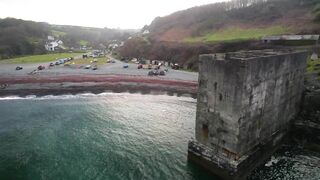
(94, 68)
(153, 73)
(140, 66)
(113, 61)
(162, 73)
(150, 73)
(175, 66)
(41, 67)
(61, 61)
(87, 67)
(51, 64)
(126, 66)
(19, 68)
(57, 63)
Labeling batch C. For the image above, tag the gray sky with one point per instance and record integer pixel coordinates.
(123, 14)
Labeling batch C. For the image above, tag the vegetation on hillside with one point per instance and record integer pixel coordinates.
(75, 36)
(220, 27)
(38, 58)
(245, 14)
(19, 37)
(239, 34)
(316, 12)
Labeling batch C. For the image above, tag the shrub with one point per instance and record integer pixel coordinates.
(316, 9)
(317, 17)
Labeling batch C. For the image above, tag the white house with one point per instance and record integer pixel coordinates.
(146, 32)
(113, 46)
(50, 38)
(53, 45)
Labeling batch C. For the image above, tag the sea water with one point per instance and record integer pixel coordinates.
(114, 136)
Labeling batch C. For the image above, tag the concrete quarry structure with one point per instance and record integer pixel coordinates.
(246, 101)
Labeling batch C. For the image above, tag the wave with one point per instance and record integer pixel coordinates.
(82, 95)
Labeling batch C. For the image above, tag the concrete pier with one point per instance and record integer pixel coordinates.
(246, 101)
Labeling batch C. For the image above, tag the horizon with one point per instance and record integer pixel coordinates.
(98, 14)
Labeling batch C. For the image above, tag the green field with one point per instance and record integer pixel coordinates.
(238, 34)
(58, 33)
(99, 61)
(83, 43)
(38, 58)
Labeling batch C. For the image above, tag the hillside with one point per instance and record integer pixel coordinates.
(210, 23)
(228, 26)
(19, 37)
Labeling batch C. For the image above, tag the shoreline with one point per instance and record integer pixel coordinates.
(75, 84)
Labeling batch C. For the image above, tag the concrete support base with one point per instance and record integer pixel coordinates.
(231, 169)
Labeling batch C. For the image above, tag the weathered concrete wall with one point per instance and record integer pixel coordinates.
(247, 99)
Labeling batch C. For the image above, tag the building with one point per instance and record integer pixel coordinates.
(292, 39)
(146, 32)
(246, 101)
(50, 38)
(53, 45)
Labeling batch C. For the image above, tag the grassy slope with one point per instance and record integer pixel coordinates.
(38, 58)
(239, 34)
(100, 61)
(83, 43)
(58, 33)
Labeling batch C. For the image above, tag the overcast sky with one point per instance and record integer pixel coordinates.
(125, 14)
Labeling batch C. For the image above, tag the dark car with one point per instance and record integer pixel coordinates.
(150, 73)
(57, 63)
(41, 67)
(155, 72)
(94, 68)
(140, 66)
(19, 68)
(51, 64)
(175, 66)
(162, 73)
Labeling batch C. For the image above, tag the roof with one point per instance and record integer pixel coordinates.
(314, 37)
(247, 55)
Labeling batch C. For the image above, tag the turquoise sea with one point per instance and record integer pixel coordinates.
(114, 136)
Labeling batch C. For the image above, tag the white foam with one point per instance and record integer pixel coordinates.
(83, 95)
